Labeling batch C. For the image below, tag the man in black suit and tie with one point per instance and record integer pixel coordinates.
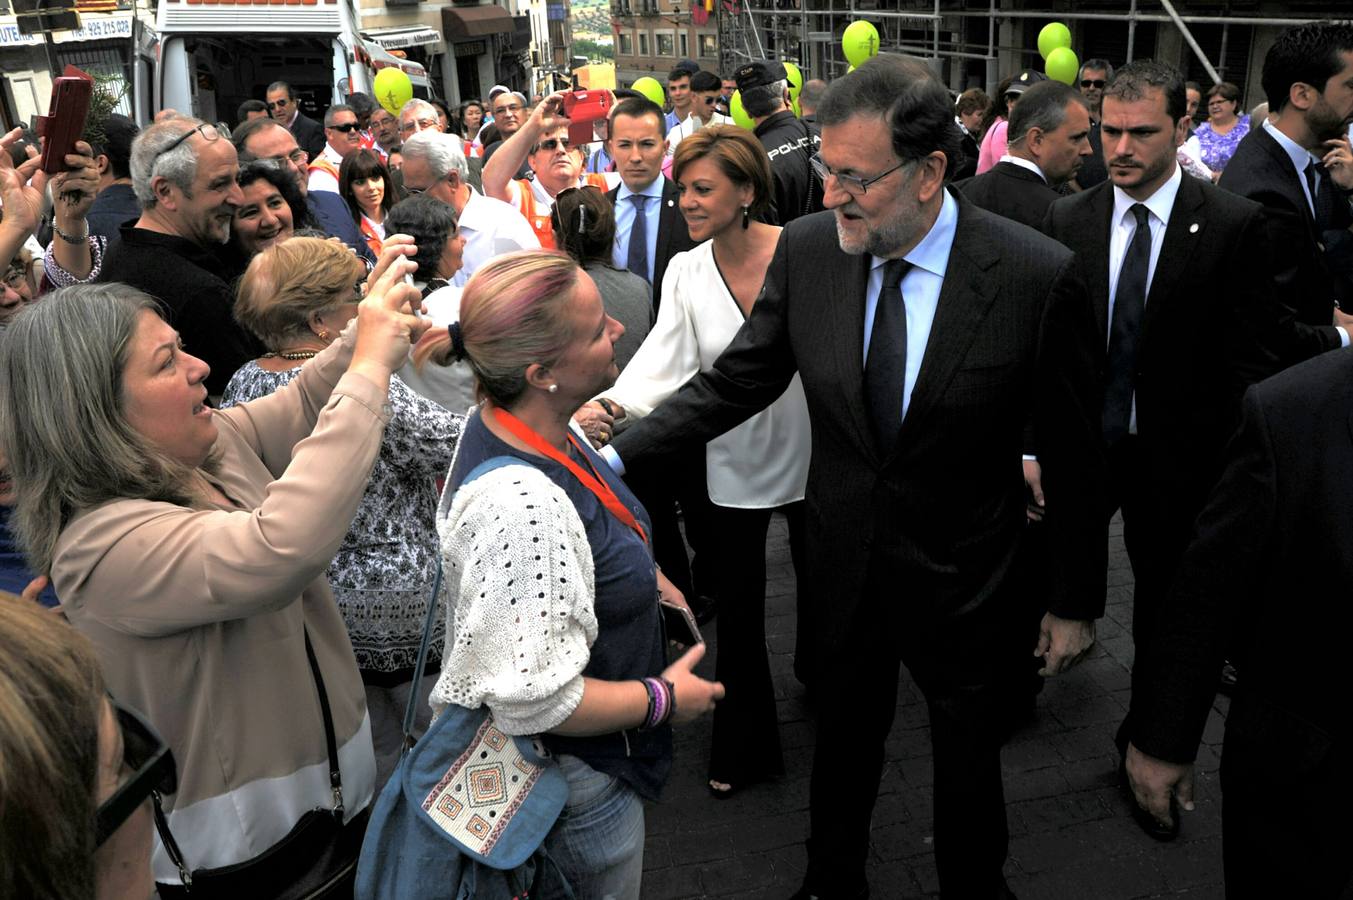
(1274, 536)
(927, 333)
(286, 111)
(649, 228)
(1178, 272)
(1308, 77)
(1047, 142)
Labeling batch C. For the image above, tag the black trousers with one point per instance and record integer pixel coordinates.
(959, 665)
(1156, 534)
(746, 744)
(1286, 795)
(659, 485)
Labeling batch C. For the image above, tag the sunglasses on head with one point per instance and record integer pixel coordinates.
(554, 143)
(1093, 82)
(151, 763)
(346, 127)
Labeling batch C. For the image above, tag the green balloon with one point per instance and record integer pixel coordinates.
(1053, 35)
(651, 89)
(1062, 65)
(860, 41)
(739, 114)
(795, 80)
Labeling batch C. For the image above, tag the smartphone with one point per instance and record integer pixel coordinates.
(587, 113)
(680, 624)
(65, 119)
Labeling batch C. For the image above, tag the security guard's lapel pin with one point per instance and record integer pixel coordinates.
(1193, 229)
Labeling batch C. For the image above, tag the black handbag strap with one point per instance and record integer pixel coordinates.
(411, 708)
(171, 847)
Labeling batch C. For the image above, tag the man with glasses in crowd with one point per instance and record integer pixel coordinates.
(704, 94)
(266, 139)
(542, 144)
(184, 174)
(343, 137)
(419, 115)
(509, 112)
(1095, 75)
(435, 164)
(948, 331)
(385, 131)
(286, 111)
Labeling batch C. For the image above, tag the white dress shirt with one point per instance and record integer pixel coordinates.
(490, 228)
(1025, 164)
(920, 289)
(320, 180)
(760, 464)
(624, 221)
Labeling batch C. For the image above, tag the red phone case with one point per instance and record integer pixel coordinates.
(65, 119)
(584, 109)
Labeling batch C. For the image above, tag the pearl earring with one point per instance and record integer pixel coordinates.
(554, 389)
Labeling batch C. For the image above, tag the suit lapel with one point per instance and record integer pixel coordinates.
(850, 282)
(1291, 180)
(1097, 255)
(965, 298)
(667, 209)
(1187, 221)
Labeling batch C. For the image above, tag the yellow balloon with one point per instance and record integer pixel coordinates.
(739, 114)
(393, 89)
(860, 41)
(795, 80)
(651, 89)
(1062, 65)
(1052, 36)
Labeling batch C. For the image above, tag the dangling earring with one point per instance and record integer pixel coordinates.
(324, 332)
(745, 219)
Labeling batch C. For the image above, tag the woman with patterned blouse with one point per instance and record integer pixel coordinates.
(1223, 131)
(297, 296)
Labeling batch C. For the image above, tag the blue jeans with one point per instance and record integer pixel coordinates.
(598, 841)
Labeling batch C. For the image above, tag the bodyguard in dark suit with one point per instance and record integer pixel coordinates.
(1047, 142)
(1178, 274)
(650, 230)
(1308, 77)
(285, 110)
(644, 245)
(924, 329)
(1266, 582)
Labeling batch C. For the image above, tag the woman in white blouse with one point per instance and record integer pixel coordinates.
(762, 465)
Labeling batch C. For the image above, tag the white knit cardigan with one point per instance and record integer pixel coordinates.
(520, 591)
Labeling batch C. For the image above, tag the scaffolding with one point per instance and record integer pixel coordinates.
(965, 44)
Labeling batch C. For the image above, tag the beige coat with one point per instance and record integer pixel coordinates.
(198, 615)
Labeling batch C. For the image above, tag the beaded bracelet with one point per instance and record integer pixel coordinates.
(661, 702)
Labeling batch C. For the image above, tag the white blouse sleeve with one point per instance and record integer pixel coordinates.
(520, 588)
(669, 355)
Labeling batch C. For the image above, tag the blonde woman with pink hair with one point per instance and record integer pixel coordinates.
(552, 594)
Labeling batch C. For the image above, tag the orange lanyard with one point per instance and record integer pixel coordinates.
(591, 481)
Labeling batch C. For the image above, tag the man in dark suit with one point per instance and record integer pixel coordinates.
(1047, 142)
(1185, 336)
(1094, 75)
(650, 230)
(924, 330)
(644, 245)
(286, 111)
(1273, 536)
(1308, 77)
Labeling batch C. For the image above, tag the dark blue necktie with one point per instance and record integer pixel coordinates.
(637, 259)
(1128, 303)
(885, 365)
(1322, 195)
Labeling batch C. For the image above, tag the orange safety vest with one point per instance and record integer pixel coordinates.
(540, 217)
(324, 166)
(373, 240)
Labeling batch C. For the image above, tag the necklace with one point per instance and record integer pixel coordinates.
(293, 354)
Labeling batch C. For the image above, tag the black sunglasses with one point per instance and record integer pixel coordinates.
(153, 771)
(277, 104)
(345, 127)
(1093, 82)
(553, 143)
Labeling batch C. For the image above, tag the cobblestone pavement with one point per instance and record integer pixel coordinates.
(1071, 834)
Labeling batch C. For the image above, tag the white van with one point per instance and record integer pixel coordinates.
(213, 56)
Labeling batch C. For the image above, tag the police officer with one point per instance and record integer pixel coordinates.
(790, 143)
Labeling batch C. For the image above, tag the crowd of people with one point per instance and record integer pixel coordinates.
(276, 393)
